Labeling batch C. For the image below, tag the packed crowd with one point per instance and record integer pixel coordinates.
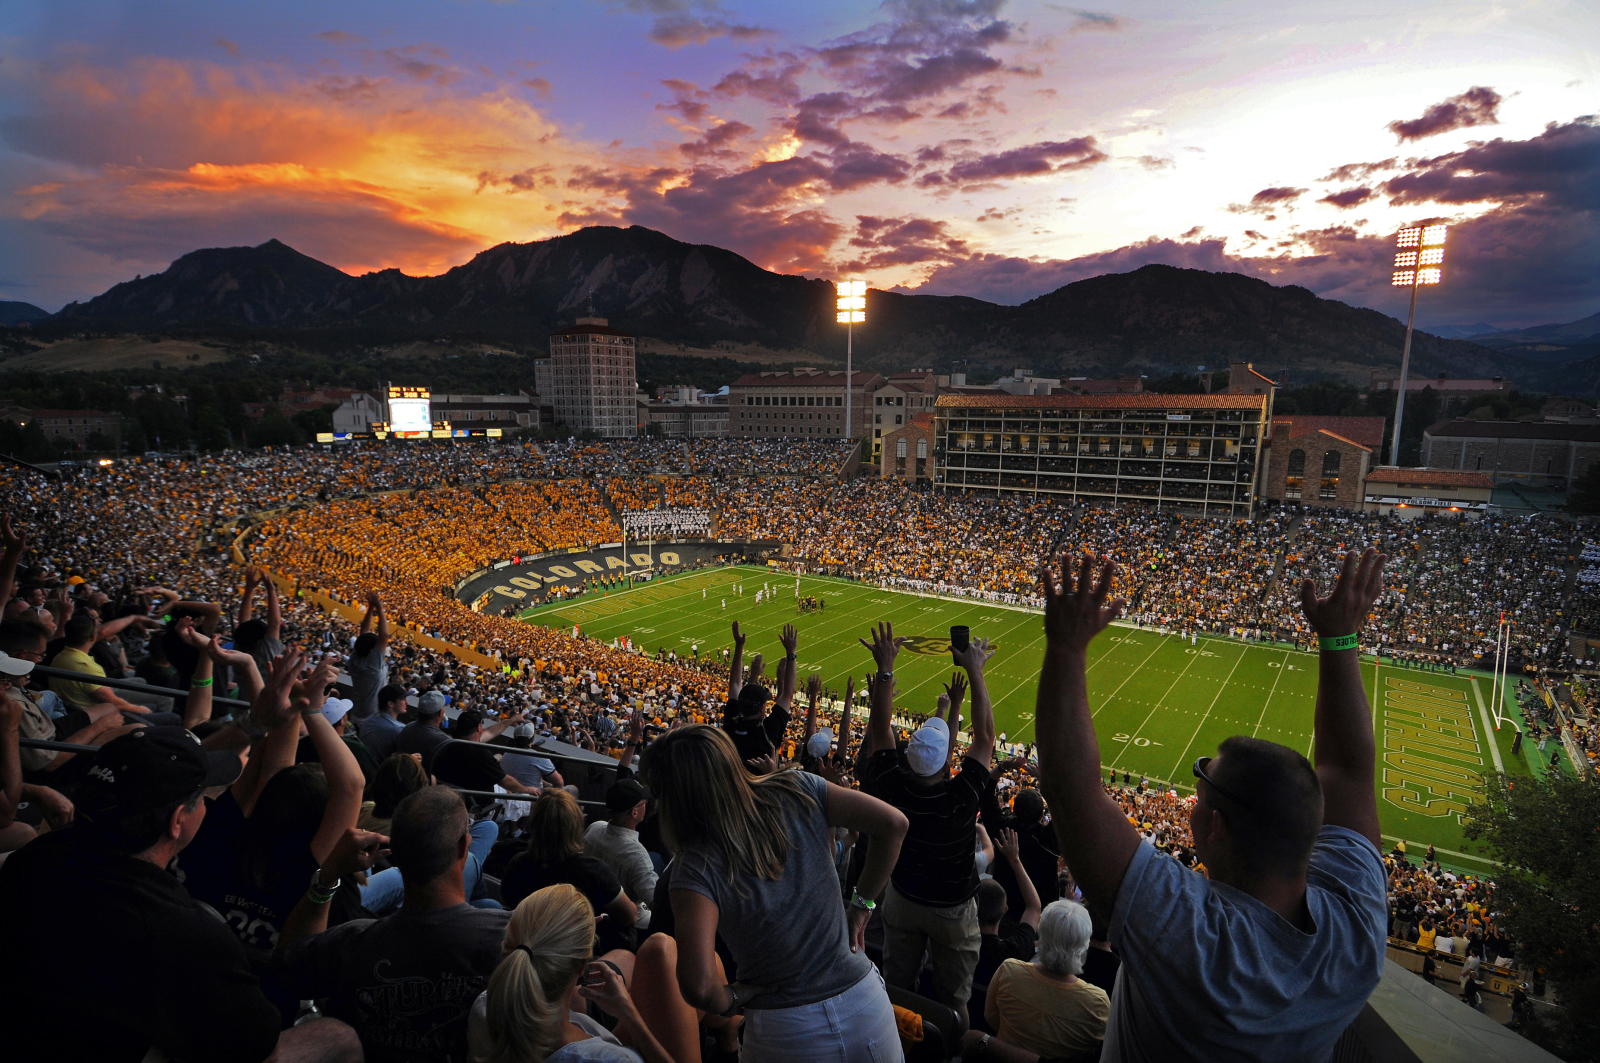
(397, 881)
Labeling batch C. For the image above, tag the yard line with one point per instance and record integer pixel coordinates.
(1161, 640)
(1104, 654)
(1242, 651)
(1282, 667)
(1154, 708)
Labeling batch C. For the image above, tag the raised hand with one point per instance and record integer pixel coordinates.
(1007, 845)
(356, 850)
(814, 689)
(186, 632)
(1344, 611)
(1073, 616)
(790, 639)
(13, 539)
(956, 689)
(974, 656)
(884, 646)
(271, 707)
(738, 636)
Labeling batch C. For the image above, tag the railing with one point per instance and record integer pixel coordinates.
(125, 684)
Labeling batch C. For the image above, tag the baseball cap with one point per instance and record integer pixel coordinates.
(430, 704)
(522, 730)
(820, 742)
(929, 747)
(334, 709)
(10, 665)
(148, 768)
(625, 793)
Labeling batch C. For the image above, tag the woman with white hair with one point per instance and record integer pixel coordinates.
(1044, 1006)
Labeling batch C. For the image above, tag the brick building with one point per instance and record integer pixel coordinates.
(1245, 379)
(685, 420)
(1320, 461)
(805, 402)
(505, 412)
(1197, 452)
(1522, 452)
(907, 451)
(1421, 492)
(74, 427)
(592, 381)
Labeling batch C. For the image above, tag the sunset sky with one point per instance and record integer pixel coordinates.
(983, 148)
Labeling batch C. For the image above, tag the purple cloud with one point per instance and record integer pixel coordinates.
(1479, 105)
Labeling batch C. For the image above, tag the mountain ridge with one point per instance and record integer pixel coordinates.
(1156, 317)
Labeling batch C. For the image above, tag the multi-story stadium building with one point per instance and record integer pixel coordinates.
(1198, 452)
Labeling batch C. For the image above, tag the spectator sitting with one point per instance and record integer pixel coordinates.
(424, 735)
(1044, 1006)
(381, 731)
(406, 981)
(554, 854)
(615, 842)
(23, 644)
(81, 633)
(753, 857)
(471, 764)
(533, 772)
(528, 1011)
(337, 713)
(137, 810)
(1100, 964)
(399, 776)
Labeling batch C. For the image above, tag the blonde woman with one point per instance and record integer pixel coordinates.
(754, 863)
(533, 1010)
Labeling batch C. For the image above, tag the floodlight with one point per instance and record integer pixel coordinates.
(1402, 278)
(852, 310)
(1406, 258)
(1414, 268)
(1408, 238)
(1429, 276)
(1433, 235)
(1433, 256)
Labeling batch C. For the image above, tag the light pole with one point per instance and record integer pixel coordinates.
(1419, 261)
(852, 308)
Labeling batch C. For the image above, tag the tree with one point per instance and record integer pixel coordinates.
(27, 442)
(275, 430)
(1585, 496)
(1544, 835)
(211, 431)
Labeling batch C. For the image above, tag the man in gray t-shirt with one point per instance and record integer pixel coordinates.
(1273, 955)
(368, 664)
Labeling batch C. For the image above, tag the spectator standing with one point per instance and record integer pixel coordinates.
(1276, 951)
(369, 659)
(138, 810)
(929, 907)
(407, 981)
(259, 637)
(380, 732)
(751, 853)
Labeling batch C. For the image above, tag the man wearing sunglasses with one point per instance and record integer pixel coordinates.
(1274, 954)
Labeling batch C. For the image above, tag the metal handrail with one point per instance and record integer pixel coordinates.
(124, 684)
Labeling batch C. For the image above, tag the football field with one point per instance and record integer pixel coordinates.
(1159, 701)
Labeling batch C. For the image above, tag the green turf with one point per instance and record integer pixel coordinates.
(1159, 701)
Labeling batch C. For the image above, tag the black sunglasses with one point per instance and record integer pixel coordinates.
(1200, 773)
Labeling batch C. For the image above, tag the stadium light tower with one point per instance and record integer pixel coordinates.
(852, 309)
(1419, 261)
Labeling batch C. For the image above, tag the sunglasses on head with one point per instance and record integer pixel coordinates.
(1200, 773)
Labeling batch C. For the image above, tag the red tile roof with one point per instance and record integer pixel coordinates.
(1142, 401)
(1430, 477)
(1363, 431)
(1342, 439)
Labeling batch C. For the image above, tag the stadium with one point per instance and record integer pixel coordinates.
(587, 594)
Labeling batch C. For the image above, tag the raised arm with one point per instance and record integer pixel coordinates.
(1095, 837)
(787, 672)
(955, 692)
(1346, 754)
(197, 706)
(736, 669)
(1007, 845)
(275, 610)
(972, 659)
(844, 721)
(635, 738)
(880, 725)
(813, 695)
(15, 541)
(252, 580)
(339, 765)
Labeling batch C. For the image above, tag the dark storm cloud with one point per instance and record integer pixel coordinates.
(1477, 106)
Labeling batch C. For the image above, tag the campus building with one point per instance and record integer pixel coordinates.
(805, 402)
(592, 384)
(1514, 452)
(1320, 462)
(1198, 452)
(1424, 492)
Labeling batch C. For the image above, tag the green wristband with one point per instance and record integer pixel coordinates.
(1337, 642)
(201, 682)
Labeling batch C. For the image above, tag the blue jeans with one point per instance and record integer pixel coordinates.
(856, 1026)
(386, 891)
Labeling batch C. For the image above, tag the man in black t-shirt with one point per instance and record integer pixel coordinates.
(929, 906)
(107, 955)
(476, 766)
(1037, 845)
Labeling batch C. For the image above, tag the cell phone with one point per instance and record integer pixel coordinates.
(960, 638)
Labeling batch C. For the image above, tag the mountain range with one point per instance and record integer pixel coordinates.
(1157, 318)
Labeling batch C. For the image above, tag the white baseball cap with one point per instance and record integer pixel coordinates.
(929, 748)
(10, 665)
(522, 730)
(334, 709)
(820, 742)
